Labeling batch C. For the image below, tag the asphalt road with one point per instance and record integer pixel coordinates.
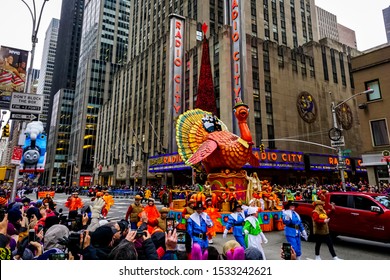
(345, 247)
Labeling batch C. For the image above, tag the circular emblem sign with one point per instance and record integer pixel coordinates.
(344, 116)
(307, 107)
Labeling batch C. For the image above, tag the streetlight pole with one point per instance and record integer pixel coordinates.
(336, 125)
(36, 21)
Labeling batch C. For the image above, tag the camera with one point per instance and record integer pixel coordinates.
(72, 242)
(140, 233)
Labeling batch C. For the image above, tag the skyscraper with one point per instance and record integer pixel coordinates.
(386, 19)
(103, 50)
(47, 67)
(282, 67)
(63, 87)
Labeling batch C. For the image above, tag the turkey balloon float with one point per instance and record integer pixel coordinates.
(205, 143)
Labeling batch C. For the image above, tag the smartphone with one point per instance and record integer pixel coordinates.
(286, 247)
(31, 235)
(58, 256)
(181, 237)
(170, 224)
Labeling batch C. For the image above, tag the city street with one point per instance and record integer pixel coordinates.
(346, 248)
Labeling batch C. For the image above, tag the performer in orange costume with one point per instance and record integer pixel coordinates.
(214, 215)
(74, 202)
(152, 213)
(109, 202)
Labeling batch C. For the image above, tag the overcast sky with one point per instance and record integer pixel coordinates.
(365, 17)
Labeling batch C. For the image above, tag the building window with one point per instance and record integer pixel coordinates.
(380, 135)
(377, 92)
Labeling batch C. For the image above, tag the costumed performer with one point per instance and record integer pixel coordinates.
(254, 236)
(197, 226)
(74, 202)
(133, 212)
(294, 227)
(321, 229)
(109, 200)
(212, 212)
(152, 213)
(236, 221)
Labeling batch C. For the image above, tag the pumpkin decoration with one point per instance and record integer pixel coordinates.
(323, 216)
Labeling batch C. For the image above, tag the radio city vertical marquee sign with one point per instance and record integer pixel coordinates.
(238, 52)
(176, 62)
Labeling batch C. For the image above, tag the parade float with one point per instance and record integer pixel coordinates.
(205, 143)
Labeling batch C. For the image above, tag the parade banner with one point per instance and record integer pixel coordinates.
(13, 72)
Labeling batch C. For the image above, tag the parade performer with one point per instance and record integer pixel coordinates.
(236, 221)
(74, 202)
(294, 227)
(254, 186)
(152, 213)
(321, 229)
(109, 202)
(197, 226)
(160, 224)
(133, 212)
(254, 236)
(214, 215)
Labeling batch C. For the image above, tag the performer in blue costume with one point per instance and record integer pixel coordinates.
(294, 227)
(197, 226)
(236, 221)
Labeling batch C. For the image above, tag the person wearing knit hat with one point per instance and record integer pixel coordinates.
(321, 229)
(133, 212)
(254, 236)
(253, 253)
(236, 221)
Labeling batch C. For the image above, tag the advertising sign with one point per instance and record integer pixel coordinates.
(13, 63)
(17, 155)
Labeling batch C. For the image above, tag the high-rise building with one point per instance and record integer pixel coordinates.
(103, 50)
(62, 92)
(34, 80)
(285, 75)
(327, 24)
(47, 67)
(347, 36)
(328, 27)
(386, 19)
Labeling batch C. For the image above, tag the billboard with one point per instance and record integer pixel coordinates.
(13, 72)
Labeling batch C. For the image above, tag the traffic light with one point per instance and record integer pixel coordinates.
(262, 148)
(6, 131)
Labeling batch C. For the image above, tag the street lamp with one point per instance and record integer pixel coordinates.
(36, 20)
(336, 126)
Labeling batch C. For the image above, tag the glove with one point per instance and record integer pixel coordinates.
(265, 240)
(225, 232)
(246, 232)
(97, 207)
(209, 223)
(304, 235)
